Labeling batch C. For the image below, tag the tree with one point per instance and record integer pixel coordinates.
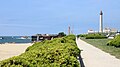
(61, 34)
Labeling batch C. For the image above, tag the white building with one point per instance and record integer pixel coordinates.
(106, 30)
(91, 31)
(110, 30)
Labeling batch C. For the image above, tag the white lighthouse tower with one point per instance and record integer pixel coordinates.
(101, 22)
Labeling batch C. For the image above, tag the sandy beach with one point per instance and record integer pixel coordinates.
(9, 50)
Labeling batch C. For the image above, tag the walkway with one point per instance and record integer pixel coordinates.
(94, 57)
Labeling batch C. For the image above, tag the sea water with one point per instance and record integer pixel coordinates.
(15, 39)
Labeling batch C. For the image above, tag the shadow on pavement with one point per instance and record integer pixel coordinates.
(81, 61)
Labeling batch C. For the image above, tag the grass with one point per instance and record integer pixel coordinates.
(101, 44)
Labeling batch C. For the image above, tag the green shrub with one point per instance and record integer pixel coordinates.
(59, 52)
(61, 34)
(81, 35)
(95, 36)
(115, 42)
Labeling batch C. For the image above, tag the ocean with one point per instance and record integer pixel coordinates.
(15, 39)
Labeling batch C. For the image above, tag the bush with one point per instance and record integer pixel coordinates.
(95, 36)
(81, 35)
(61, 34)
(115, 42)
(59, 52)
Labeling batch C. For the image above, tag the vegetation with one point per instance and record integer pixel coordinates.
(93, 36)
(59, 52)
(61, 34)
(101, 43)
(82, 35)
(115, 42)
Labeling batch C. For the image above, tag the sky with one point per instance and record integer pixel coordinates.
(29, 17)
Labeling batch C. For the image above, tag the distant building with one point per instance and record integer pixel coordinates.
(106, 30)
(91, 31)
(42, 37)
(113, 30)
(110, 30)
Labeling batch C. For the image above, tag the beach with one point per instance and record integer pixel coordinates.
(8, 50)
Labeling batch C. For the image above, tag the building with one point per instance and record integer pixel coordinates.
(110, 30)
(91, 31)
(113, 30)
(106, 30)
(42, 37)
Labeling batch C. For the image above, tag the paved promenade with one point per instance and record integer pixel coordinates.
(94, 57)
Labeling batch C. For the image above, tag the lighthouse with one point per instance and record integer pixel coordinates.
(101, 22)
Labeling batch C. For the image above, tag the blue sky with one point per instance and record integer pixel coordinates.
(29, 17)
